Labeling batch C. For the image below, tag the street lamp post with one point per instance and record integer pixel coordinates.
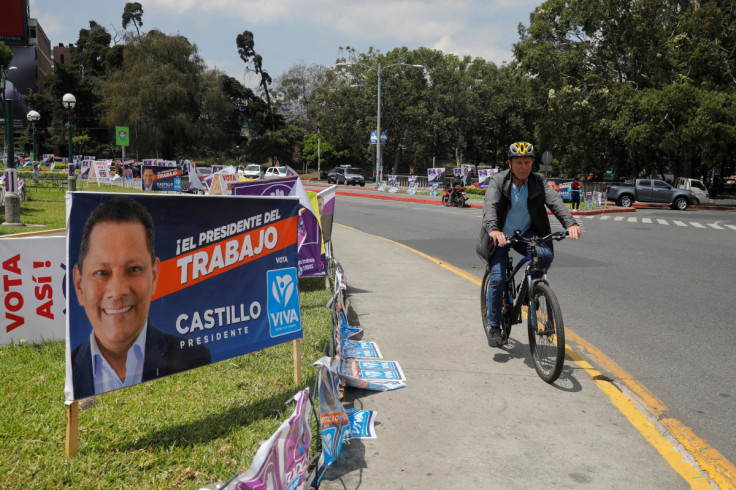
(69, 101)
(12, 200)
(379, 71)
(32, 117)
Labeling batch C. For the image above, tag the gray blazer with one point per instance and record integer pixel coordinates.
(498, 202)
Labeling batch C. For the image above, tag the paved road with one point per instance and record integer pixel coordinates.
(654, 290)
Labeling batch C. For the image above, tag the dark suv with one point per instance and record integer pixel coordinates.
(346, 175)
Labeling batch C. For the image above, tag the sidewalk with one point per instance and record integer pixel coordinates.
(471, 416)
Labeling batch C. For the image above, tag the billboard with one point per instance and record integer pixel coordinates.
(13, 20)
(21, 82)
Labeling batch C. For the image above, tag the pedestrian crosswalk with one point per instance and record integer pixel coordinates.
(649, 221)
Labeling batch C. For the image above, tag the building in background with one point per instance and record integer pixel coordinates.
(31, 56)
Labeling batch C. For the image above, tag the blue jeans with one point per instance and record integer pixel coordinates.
(499, 259)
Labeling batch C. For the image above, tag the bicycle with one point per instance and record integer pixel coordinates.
(545, 325)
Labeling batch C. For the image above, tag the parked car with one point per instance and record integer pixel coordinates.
(696, 186)
(275, 172)
(251, 171)
(347, 176)
(649, 190)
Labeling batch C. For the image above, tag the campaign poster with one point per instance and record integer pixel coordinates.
(393, 183)
(334, 421)
(48, 158)
(371, 379)
(283, 460)
(326, 208)
(435, 176)
(352, 349)
(362, 423)
(33, 274)
(195, 182)
(413, 185)
(222, 282)
(84, 167)
(312, 259)
(160, 178)
(484, 176)
(99, 172)
(561, 186)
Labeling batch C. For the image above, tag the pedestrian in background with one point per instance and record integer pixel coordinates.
(575, 192)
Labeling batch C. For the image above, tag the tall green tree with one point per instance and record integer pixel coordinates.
(133, 14)
(254, 62)
(157, 93)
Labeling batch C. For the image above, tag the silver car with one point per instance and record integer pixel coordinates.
(251, 171)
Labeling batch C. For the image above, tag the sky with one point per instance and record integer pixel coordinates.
(288, 32)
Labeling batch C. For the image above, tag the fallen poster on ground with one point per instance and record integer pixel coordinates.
(312, 260)
(351, 349)
(33, 274)
(223, 283)
(391, 378)
(334, 422)
(362, 423)
(281, 463)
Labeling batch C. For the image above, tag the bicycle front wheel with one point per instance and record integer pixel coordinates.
(546, 333)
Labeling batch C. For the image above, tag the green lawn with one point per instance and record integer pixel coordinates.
(182, 431)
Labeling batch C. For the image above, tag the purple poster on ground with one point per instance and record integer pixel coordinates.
(281, 462)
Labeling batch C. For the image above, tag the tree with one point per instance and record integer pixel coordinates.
(157, 93)
(294, 92)
(246, 50)
(6, 56)
(132, 14)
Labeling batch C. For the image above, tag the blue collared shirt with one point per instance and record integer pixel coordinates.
(518, 217)
(105, 377)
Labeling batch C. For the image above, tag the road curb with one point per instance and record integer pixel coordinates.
(468, 205)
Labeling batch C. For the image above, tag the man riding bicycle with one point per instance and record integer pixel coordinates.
(515, 200)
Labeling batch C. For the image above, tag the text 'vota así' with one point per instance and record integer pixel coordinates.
(223, 255)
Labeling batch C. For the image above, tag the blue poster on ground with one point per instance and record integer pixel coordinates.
(221, 281)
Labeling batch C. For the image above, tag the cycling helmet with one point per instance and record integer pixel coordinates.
(521, 149)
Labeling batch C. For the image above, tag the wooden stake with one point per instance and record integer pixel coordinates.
(72, 429)
(297, 361)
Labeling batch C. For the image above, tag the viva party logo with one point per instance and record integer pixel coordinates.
(284, 315)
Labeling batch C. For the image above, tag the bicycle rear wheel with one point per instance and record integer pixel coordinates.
(546, 333)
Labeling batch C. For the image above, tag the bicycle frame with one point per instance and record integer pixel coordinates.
(518, 295)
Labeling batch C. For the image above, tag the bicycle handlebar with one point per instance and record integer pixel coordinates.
(558, 235)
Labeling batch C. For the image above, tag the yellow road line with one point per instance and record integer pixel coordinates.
(719, 469)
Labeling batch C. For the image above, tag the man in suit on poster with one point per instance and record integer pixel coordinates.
(114, 279)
